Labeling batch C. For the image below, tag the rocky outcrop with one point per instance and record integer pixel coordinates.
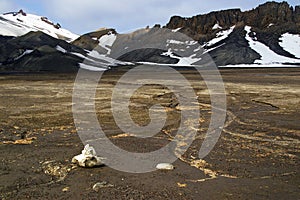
(263, 17)
(270, 13)
(234, 50)
(269, 21)
(296, 15)
(201, 26)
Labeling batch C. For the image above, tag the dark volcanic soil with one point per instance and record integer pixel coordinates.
(256, 157)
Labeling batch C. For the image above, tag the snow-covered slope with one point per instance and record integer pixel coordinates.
(170, 47)
(19, 23)
(244, 45)
(291, 44)
(234, 45)
(268, 57)
(220, 36)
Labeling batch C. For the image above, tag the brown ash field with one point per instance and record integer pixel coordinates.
(256, 156)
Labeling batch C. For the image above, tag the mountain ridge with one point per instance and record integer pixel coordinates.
(20, 23)
(268, 35)
(268, 22)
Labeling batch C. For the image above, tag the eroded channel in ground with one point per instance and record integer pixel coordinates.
(257, 155)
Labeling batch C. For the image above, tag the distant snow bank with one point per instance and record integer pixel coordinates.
(216, 26)
(291, 43)
(279, 65)
(268, 57)
(220, 36)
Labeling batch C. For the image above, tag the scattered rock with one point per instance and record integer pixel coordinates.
(181, 185)
(66, 189)
(124, 135)
(165, 166)
(203, 166)
(101, 185)
(56, 169)
(200, 164)
(88, 158)
(21, 141)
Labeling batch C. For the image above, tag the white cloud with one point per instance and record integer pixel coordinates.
(121, 14)
(130, 14)
(124, 15)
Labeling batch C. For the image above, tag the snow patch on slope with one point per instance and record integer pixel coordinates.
(23, 54)
(91, 68)
(176, 30)
(59, 48)
(291, 43)
(94, 61)
(106, 41)
(220, 36)
(216, 26)
(267, 55)
(183, 61)
(274, 65)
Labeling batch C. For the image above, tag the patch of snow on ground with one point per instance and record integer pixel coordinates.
(95, 61)
(59, 48)
(23, 54)
(275, 65)
(211, 49)
(176, 30)
(107, 41)
(220, 36)
(92, 61)
(97, 56)
(216, 26)
(90, 68)
(291, 43)
(192, 42)
(267, 55)
(183, 61)
(174, 42)
(78, 55)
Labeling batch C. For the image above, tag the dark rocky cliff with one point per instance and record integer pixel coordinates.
(269, 21)
(271, 13)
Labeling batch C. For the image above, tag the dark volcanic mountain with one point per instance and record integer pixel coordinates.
(37, 51)
(268, 23)
(268, 35)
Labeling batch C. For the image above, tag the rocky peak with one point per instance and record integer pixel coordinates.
(297, 15)
(262, 17)
(206, 24)
(269, 13)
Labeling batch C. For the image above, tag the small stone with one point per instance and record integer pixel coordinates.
(66, 189)
(181, 185)
(88, 158)
(165, 166)
(101, 185)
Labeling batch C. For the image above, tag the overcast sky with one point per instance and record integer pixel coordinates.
(123, 15)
